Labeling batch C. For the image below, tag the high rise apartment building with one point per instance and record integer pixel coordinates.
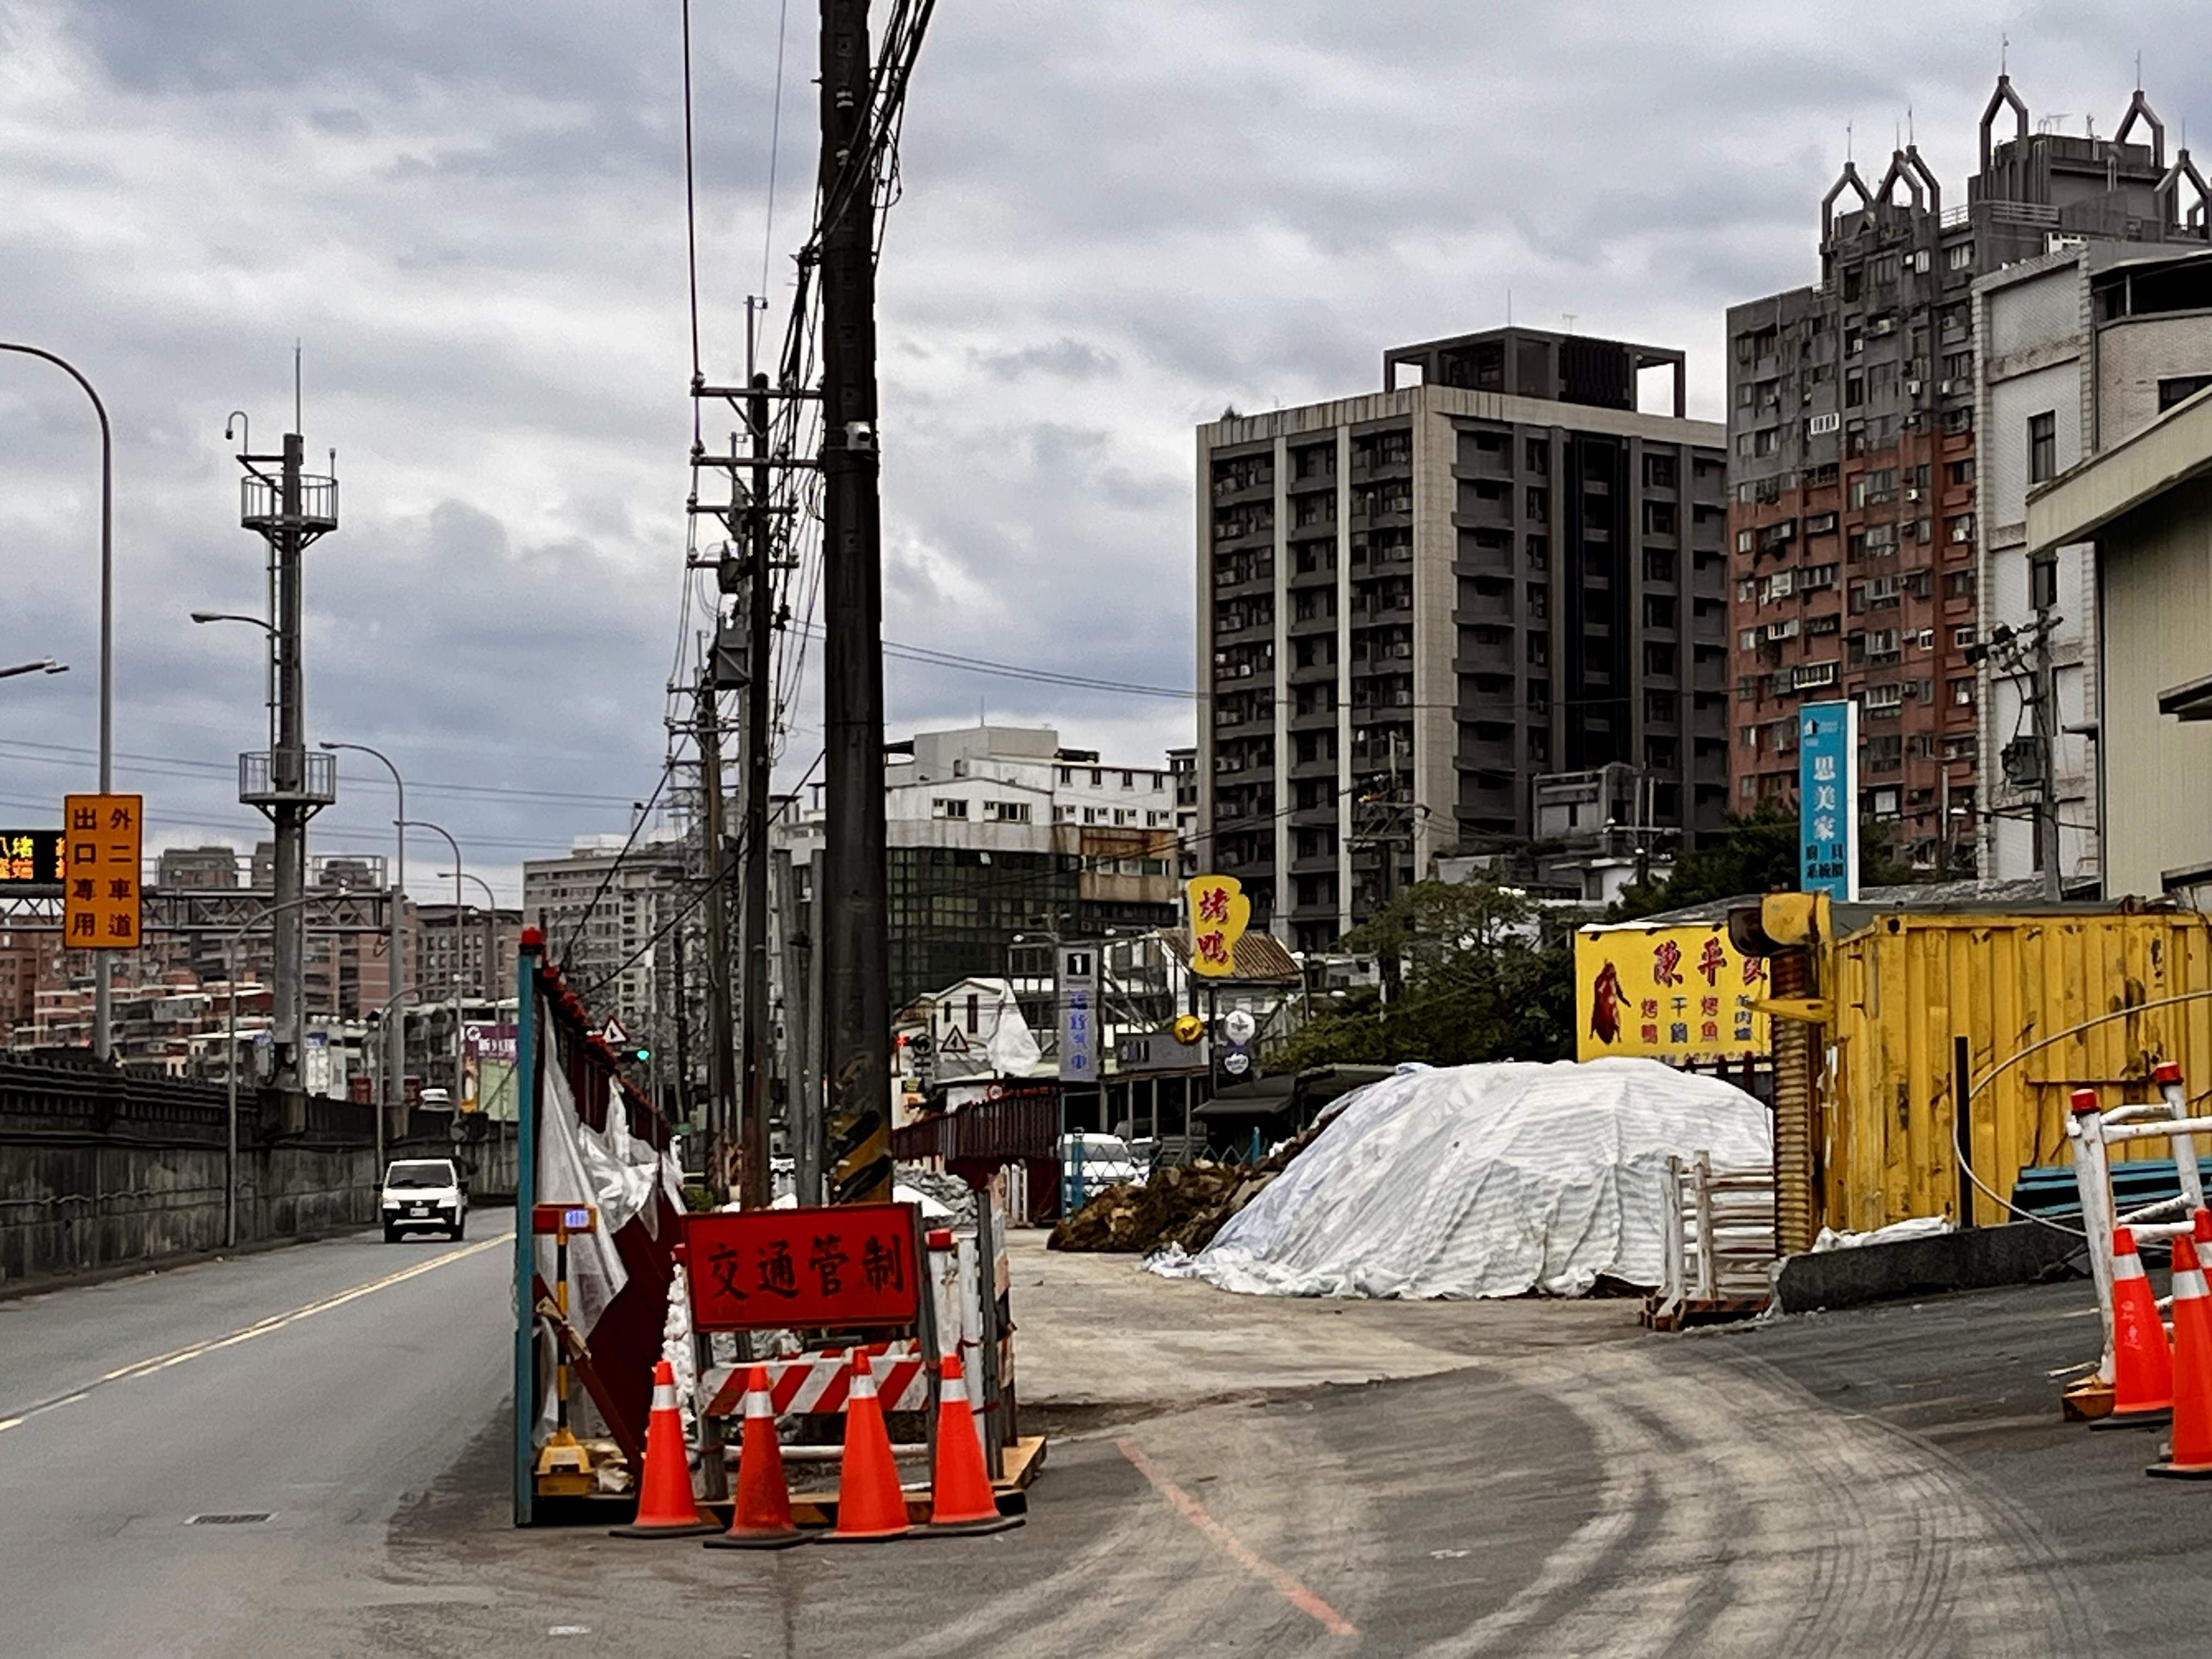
(1853, 518)
(602, 908)
(1416, 604)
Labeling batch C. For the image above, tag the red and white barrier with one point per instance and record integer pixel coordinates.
(821, 1382)
(2093, 1132)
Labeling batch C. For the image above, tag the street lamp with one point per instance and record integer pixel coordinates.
(44, 666)
(490, 950)
(103, 1039)
(395, 1041)
(417, 824)
(234, 616)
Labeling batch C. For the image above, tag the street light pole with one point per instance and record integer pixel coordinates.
(395, 1041)
(417, 824)
(490, 984)
(44, 666)
(103, 1036)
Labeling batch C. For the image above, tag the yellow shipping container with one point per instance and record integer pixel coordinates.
(2119, 989)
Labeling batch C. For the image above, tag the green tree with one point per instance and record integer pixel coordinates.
(1755, 852)
(1484, 977)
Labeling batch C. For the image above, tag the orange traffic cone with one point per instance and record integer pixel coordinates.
(960, 1499)
(665, 1507)
(2142, 1363)
(2189, 1455)
(763, 1521)
(870, 1506)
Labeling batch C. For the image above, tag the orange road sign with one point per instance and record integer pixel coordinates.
(104, 844)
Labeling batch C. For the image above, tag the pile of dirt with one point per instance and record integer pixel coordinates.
(1184, 1205)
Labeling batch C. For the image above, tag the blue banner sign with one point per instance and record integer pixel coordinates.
(1828, 799)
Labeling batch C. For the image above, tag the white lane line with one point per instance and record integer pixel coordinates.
(260, 1328)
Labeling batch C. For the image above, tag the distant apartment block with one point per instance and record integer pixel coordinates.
(1855, 521)
(1415, 605)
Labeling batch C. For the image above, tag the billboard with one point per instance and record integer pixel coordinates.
(1220, 913)
(31, 863)
(1828, 799)
(1681, 993)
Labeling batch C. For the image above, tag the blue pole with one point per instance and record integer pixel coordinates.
(526, 1039)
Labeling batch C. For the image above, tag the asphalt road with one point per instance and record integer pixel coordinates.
(1529, 1479)
(321, 1385)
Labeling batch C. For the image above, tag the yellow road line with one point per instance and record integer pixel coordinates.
(160, 1362)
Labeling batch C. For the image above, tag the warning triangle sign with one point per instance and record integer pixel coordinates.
(952, 1042)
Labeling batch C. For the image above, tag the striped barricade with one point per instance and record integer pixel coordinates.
(816, 1382)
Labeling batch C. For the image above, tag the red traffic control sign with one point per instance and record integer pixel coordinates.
(848, 1265)
(562, 1219)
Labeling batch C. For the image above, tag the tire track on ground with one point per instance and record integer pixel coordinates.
(1782, 1527)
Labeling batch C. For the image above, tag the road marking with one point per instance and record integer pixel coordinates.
(1285, 1584)
(160, 1361)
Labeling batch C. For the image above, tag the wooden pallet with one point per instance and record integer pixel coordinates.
(1680, 1313)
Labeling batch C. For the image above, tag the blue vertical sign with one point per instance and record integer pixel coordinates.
(1828, 799)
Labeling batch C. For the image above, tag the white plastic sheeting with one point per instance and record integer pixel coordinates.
(567, 1155)
(1471, 1180)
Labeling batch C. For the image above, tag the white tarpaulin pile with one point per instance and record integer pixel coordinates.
(1483, 1181)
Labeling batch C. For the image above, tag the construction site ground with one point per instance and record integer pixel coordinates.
(1229, 1475)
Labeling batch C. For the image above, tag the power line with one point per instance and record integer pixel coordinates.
(179, 766)
(935, 659)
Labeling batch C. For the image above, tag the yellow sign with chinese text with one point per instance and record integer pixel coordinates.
(1681, 993)
(104, 841)
(1220, 913)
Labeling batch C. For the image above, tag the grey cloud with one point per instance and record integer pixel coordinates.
(1063, 359)
(1115, 221)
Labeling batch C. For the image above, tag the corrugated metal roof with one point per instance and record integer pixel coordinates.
(1260, 959)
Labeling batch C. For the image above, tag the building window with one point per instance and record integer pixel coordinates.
(1004, 812)
(2180, 388)
(1960, 256)
(2042, 446)
(941, 808)
(1962, 693)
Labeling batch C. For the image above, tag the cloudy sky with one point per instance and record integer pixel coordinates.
(1116, 220)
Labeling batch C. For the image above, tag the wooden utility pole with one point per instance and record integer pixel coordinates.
(854, 907)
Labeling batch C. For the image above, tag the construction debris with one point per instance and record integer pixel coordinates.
(1184, 1205)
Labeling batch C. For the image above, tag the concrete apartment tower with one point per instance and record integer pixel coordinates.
(1854, 512)
(1451, 615)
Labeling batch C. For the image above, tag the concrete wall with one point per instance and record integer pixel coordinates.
(2158, 771)
(98, 1170)
(2134, 356)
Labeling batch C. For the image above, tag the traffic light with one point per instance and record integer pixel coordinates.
(636, 1055)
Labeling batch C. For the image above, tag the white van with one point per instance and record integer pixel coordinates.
(423, 1195)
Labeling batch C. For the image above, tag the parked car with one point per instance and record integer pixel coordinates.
(1104, 1161)
(423, 1195)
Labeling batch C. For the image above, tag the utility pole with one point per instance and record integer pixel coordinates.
(2046, 748)
(720, 1037)
(854, 904)
(287, 783)
(759, 694)
(802, 1078)
(682, 1108)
